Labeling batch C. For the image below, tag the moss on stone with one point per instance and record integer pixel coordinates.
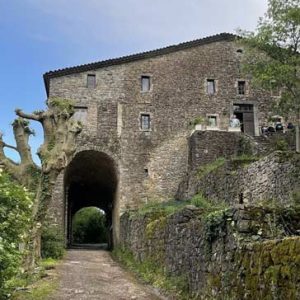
(155, 225)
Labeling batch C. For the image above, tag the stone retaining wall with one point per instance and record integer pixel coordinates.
(230, 254)
(275, 176)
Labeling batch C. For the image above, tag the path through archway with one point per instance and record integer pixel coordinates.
(91, 180)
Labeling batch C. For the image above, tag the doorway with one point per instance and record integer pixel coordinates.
(245, 114)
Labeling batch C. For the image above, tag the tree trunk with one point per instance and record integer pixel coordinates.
(297, 138)
(298, 134)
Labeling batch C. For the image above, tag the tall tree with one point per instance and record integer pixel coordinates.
(276, 64)
(60, 132)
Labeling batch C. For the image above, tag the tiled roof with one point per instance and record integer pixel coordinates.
(135, 57)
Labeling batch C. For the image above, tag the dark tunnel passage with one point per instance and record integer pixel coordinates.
(91, 180)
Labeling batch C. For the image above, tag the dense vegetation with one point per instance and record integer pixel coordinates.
(52, 242)
(89, 226)
(275, 66)
(15, 223)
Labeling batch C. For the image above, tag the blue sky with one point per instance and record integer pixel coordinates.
(41, 35)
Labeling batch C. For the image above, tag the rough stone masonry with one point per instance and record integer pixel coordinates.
(137, 113)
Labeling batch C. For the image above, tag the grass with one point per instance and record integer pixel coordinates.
(37, 286)
(153, 274)
(40, 290)
(243, 160)
(48, 263)
(206, 169)
(164, 208)
(208, 206)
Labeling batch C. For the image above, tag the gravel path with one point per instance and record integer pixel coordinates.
(93, 274)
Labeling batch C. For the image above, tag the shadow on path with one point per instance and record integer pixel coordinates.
(89, 246)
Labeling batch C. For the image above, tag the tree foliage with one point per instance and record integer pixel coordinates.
(89, 226)
(273, 58)
(15, 222)
(52, 242)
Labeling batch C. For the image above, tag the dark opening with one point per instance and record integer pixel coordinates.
(146, 172)
(241, 119)
(241, 87)
(241, 198)
(91, 180)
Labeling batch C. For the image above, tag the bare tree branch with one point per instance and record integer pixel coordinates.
(33, 116)
(22, 132)
(10, 146)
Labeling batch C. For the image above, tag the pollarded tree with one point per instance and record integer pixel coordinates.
(60, 132)
(277, 66)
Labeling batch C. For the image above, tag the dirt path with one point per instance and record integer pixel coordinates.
(92, 274)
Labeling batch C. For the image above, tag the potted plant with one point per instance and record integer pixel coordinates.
(198, 123)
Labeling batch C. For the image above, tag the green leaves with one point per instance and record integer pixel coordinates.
(273, 57)
(15, 220)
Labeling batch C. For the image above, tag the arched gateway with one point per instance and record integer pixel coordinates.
(91, 179)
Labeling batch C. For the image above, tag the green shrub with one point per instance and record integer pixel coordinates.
(200, 201)
(296, 197)
(281, 145)
(15, 221)
(208, 206)
(245, 146)
(52, 242)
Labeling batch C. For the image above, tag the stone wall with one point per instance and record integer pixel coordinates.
(238, 253)
(274, 177)
(204, 147)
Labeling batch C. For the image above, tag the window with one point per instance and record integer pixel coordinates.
(91, 81)
(146, 172)
(212, 121)
(146, 84)
(210, 86)
(241, 87)
(80, 114)
(145, 121)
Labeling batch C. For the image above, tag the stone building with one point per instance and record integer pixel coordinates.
(137, 113)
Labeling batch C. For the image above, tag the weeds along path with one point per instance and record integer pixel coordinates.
(93, 274)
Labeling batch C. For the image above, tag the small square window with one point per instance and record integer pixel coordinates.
(145, 121)
(145, 83)
(210, 86)
(212, 121)
(241, 87)
(91, 81)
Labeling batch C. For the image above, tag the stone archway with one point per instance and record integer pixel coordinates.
(91, 179)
